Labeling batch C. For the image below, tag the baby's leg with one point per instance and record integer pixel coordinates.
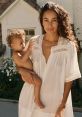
(37, 87)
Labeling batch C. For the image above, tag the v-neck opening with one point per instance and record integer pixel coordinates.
(43, 53)
(46, 60)
(50, 50)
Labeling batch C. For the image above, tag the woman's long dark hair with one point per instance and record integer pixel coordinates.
(64, 25)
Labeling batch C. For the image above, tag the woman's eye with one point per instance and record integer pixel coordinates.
(46, 20)
(55, 20)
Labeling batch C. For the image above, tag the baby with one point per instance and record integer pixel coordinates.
(20, 55)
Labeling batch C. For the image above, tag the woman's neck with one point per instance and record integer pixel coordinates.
(51, 37)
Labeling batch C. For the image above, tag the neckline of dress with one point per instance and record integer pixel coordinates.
(55, 46)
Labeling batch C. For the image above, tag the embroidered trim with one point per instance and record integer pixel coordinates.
(60, 50)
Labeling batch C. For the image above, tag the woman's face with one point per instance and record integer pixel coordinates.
(50, 23)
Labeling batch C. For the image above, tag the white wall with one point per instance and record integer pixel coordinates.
(22, 15)
(78, 24)
(68, 5)
(78, 17)
(42, 2)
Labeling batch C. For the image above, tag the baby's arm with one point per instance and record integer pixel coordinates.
(20, 63)
(17, 59)
(27, 51)
(25, 59)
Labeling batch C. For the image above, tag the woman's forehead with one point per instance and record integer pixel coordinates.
(49, 13)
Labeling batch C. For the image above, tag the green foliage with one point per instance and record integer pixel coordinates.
(10, 80)
(76, 94)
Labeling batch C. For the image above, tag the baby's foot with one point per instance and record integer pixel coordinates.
(39, 103)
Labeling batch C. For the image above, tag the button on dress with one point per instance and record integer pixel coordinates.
(62, 66)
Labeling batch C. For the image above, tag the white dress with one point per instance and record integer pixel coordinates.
(62, 66)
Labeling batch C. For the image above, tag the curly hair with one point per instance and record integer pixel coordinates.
(64, 25)
(11, 37)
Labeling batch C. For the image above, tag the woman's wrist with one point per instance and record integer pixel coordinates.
(60, 109)
(63, 104)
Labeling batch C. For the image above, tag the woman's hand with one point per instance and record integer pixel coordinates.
(59, 112)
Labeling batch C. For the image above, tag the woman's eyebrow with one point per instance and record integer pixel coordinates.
(47, 18)
(54, 18)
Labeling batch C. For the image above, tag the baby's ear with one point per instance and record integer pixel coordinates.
(12, 46)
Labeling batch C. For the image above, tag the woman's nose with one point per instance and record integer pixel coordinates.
(50, 23)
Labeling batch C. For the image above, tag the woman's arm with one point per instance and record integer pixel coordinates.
(67, 88)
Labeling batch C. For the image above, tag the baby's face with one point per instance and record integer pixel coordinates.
(17, 44)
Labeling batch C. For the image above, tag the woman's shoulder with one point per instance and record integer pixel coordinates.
(68, 43)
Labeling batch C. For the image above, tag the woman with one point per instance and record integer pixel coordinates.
(54, 58)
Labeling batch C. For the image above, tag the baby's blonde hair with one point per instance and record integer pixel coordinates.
(14, 33)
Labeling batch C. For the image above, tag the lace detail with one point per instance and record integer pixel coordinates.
(60, 50)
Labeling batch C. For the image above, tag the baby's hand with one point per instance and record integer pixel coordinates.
(28, 46)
